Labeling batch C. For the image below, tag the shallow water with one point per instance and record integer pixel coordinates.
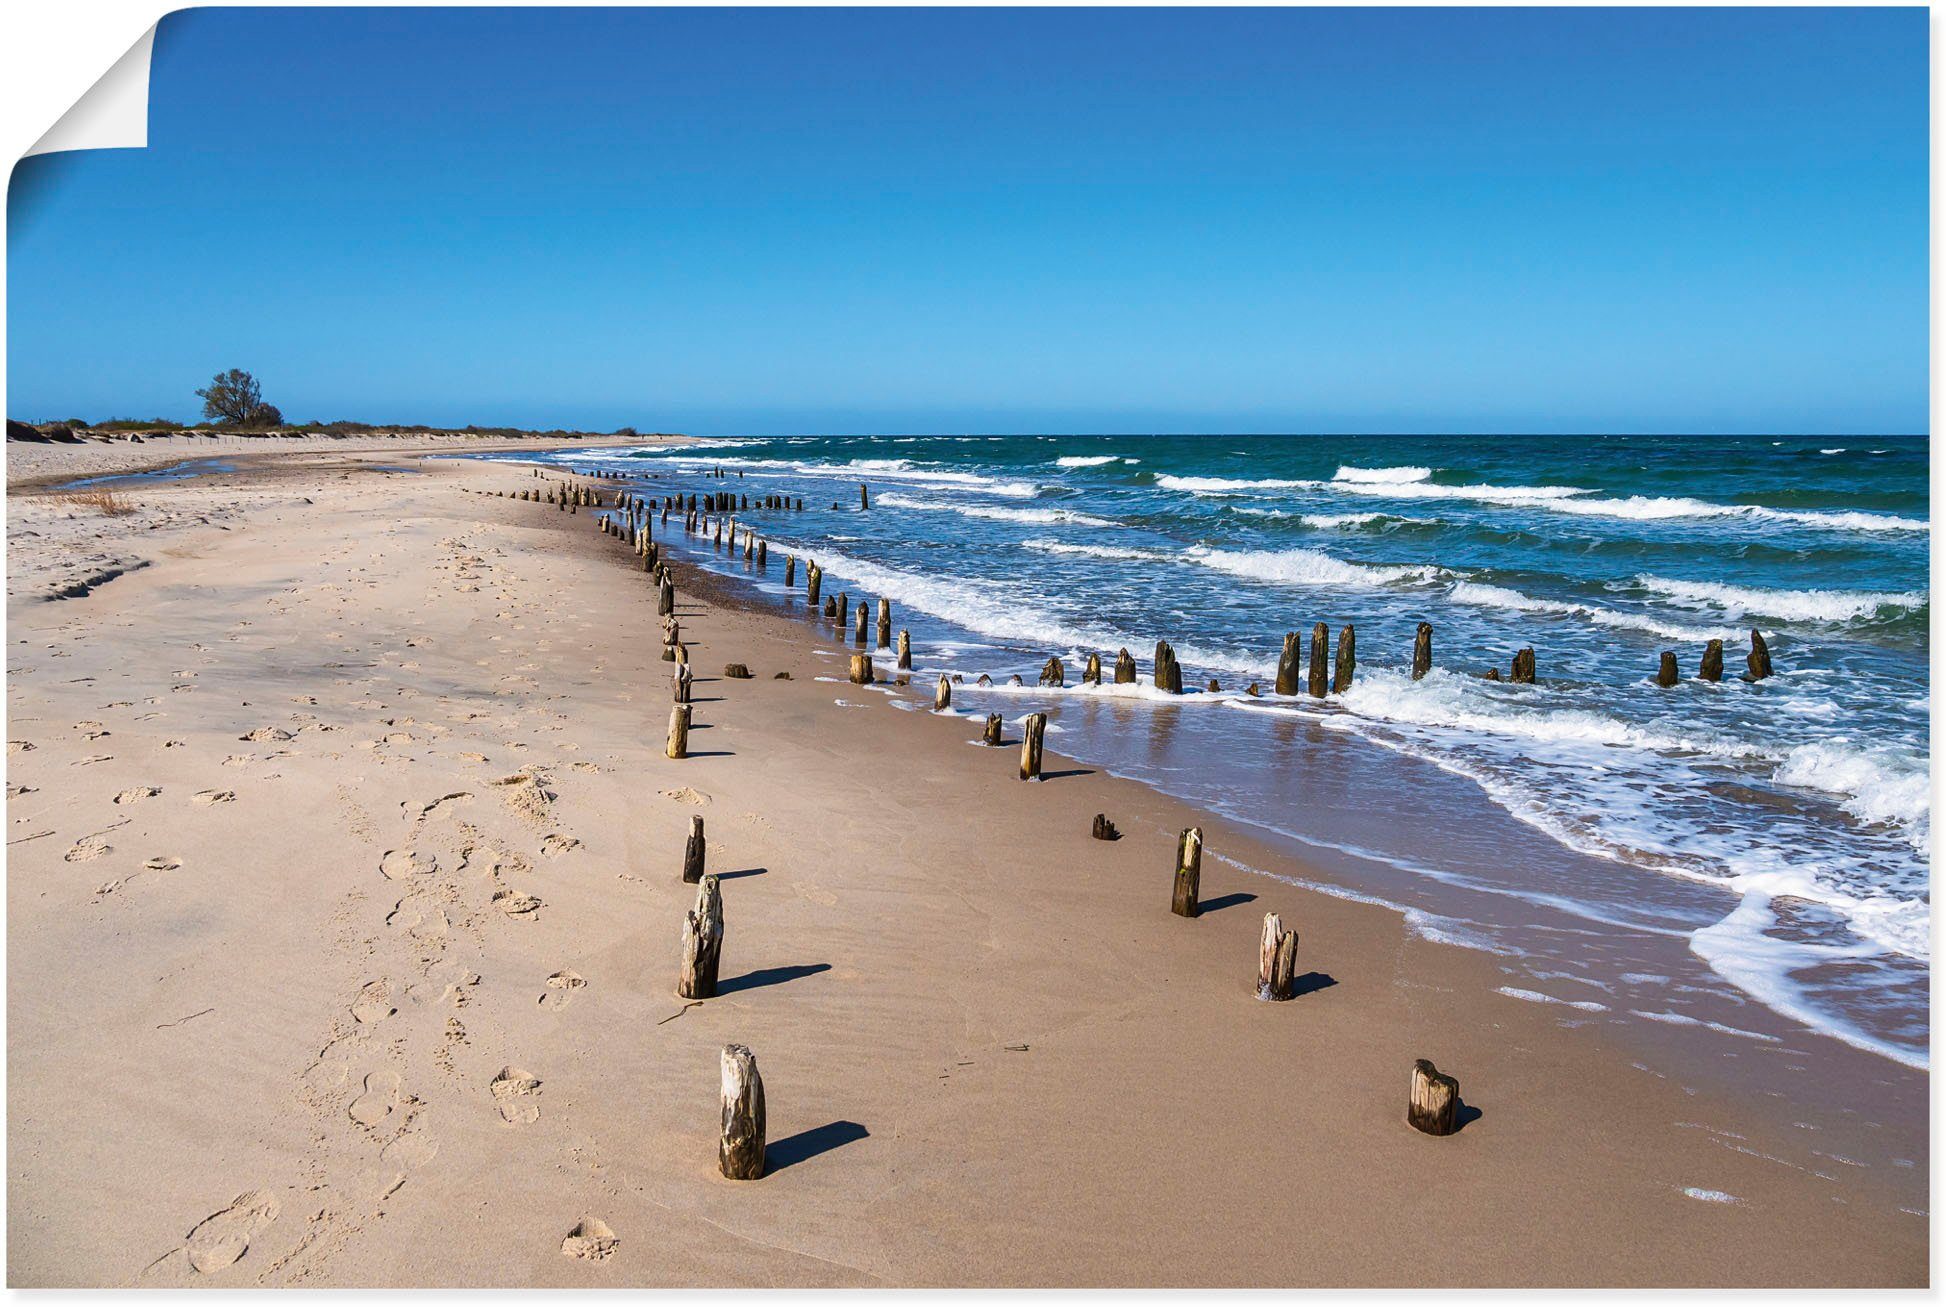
(1777, 831)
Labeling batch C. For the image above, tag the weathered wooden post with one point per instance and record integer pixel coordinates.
(858, 625)
(1422, 651)
(1091, 674)
(679, 731)
(695, 852)
(1189, 872)
(942, 695)
(1434, 1103)
(681, 683)
(665, 603)
(1523, 671)
(884, 623)
(1276, 961)
(702, 943)
(1759, 657)
(991, 736)
(1287, 664)
(1168, 672)
(861, 669)
(1666, 673)
(1347, 659)
(1124, 668)
(1055, 672)
(864, 498)
(905, 650)
(790, 570)
(813, 581)
(1319, 679)
(763, 555)
(1712, 669)
(740, 1152)
(1030, 746)
(1103, 828)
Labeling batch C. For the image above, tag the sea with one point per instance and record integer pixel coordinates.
(1744, 857)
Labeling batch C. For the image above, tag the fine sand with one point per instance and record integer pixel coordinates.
(344, 908)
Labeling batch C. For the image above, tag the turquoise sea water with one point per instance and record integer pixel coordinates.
(1777, 834)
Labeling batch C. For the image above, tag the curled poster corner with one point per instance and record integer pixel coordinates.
(114, 112)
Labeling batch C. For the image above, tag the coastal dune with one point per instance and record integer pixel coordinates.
(345, 911)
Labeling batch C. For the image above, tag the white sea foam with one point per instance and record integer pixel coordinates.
(1482, 595)
(1120, 553)
(1534, 996)
(1305, 567)
(993, 513)
(1877, 784)
(1089, 460)
(1339, 521)
(1382, 475)
(1788, 605)
(1220, 485)
(1710, 1195)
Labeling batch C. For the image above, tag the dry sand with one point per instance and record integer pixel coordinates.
(344, 906)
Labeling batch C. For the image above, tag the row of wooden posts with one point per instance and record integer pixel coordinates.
(1433, 1097)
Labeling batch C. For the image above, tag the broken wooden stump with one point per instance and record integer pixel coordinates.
(736, 671)
(1347, 659)
(1422, 651)
(1124, 667)
(1523, 670)
(790, 570)
(861, 669)
(740, 1151)
(942, 695)
(905, 650)
(1276, 961)
(680, 683)
(1758, 659)
(695, 851)
(864, 496)
(991, 736)
(1215, 686)
(813, 579)
(702, 943)
(1104, 829)
(884, 623)
(1666, 673)
(1712, 668)
(1054, 672)
(1319, 679)
(1168, 672)
(679, 731)
(1189, 872)
(864, 615)
(843, 611)
(1091, 674)
(1035, 729)
(1287, 664)
(665, 603)
(1434, 1105)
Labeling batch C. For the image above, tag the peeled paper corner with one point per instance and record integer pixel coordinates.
(114, 113)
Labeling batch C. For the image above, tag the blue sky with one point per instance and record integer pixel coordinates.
(963, 220)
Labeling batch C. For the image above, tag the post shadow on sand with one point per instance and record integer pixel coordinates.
(1311, 982)
(806, 1144)
(1464, 1114)
(769, 976)
(738, 875)
(1071, 771)
(1225, 901)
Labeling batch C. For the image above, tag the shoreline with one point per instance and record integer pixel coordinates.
(909, 911)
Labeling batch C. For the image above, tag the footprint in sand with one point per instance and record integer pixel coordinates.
(263, 734)
(374, 1004)
(440, 807)
(398, 864)
(15, 791)
(162, 863)
(520, 907)
(87, 848)
(410, 1150)
(138, 794)
(686, 795)
(512, 1091)
(208, 797)
(380, 1097)
(556, 845)
(591, 1241)
(19, 746)
(560, 989)
(222, 1238)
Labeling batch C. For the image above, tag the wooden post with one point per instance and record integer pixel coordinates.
(942, 696)
(861, 669)
(1055, 672)
(1434, 1103)
(1523, 672)
(885, 624)
(1124, 668)
(1712, 669)
(1320, 650)
(858, 625)
(1091, 674)
(1189, 872)
(680, 683)
(679, 731)
(991, 736)
(1030, 746)
(905, 651)
(1276, 961)
(665, 603)
(1759, 658)
(1347, 659)
(740, 1152)
(790, 570)
(864, 497)
(1666, 673)
(1422, 651)
(1287, 663)
(702, 942)
(763, 555)
(694, 852)
(1104, 829)
(813, 580)
(1168, 672)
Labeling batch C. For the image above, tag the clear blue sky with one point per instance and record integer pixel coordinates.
(1003, 220)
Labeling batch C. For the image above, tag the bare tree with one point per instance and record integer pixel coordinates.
(236, 399)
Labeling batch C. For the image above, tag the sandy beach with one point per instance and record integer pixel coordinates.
(344, 908)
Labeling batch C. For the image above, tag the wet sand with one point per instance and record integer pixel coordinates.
(344, 911)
